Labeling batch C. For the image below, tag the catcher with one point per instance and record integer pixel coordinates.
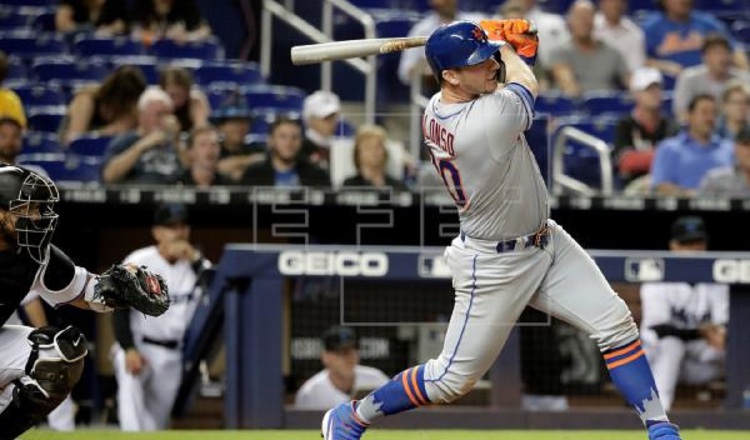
(39, 367)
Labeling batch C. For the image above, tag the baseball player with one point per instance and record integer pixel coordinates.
(509, 254)
(684, 326)
(39, 367)
(148, 355)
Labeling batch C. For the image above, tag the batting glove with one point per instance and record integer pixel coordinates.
(519, 33)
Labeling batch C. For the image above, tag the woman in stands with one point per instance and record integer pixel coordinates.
(106, 16)
(190, 103)
(108, 109)
(176, 20)
(371, 159)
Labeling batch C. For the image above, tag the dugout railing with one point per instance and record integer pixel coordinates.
(250, 279)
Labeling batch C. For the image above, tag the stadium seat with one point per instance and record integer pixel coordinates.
(277, 99)
(46, 119)
(107, 46)
(148, 64)
(741, 32)
(28, 45)
(642, 5)
(65, 167)
(37, 95)
(556, 6)
(203, 50)
(606, 102)
(720, 5)
(16, 70)
(10, 19)
(580, 162)
(40, 142)
(35, 3)
(260, 125)
(601, 127)
(407, 5)
(555, 104)
(90, 145)
(235, 73)
(66, 72)
(44, 21)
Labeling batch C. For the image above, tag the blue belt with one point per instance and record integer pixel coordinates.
(539, 239)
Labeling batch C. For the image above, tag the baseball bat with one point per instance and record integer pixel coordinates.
(339, 50)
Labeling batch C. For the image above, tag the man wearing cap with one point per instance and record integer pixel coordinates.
(683, 326)
(731, 181)
(148, 353)
(320, 115)
(638, 133)
(10, 103)
(343, 378)
(233, 120)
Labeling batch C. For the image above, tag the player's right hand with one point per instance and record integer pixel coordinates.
(134, 362)
(520, 33)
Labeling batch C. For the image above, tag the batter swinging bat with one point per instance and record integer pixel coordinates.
(339, 50)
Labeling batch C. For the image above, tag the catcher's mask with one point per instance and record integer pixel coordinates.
(31, 198)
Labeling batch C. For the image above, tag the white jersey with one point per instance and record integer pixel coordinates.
(319, 392)
(180, 279)
(487, 166)
(682, 305)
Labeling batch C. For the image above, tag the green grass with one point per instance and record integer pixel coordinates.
(376, 434)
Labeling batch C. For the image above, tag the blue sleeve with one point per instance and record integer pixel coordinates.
(527, 98)
(662, 169)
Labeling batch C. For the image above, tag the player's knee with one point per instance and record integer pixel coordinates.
(452, 387)
(616, 327)
(55, 364)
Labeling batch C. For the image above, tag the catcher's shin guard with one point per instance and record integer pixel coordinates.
(54, 367)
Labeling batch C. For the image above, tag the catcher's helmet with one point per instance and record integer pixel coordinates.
(458, 44)
(21, 191)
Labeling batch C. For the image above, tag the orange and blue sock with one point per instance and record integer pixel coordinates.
(404, 392)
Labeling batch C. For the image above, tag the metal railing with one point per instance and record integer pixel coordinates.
(368, 68)
(562, 182)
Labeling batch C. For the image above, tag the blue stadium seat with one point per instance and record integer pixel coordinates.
(17, 70)
(62, 71)
(107, 46)
(203, 50)
(237, 73)
(10, 19)
(36, 95)
(260, 126)
(603, 103)
(65, 167)
(275, 98)
(556, 6)
(408, 5)
(90, 145)
(642, 5)
(580, 162)
(721, 5)
(601, 127)
(28, 45)
(46, 119)
(41, 142)
(741, 32)
(148, 64)
(555, 104)
(44, 21)
(36, 3)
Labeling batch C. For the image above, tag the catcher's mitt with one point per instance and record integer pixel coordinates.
(131, 286)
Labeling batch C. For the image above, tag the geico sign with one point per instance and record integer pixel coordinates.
(732, 271)
(347, 264)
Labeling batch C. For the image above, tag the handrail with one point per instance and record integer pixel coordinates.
(368, 68)
(561, 181)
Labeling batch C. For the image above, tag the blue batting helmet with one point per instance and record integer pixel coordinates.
(458, 44)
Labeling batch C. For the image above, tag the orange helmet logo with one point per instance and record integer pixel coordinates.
(479, 35)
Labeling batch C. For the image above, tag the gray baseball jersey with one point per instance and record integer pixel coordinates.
(488, 167)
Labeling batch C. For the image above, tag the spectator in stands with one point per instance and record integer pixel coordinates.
(320, 114)
(190, 103)
(148, 154)
(735, 109)
(180, 21)
(11, 144)
(675, 36)
(711, 77)
(413, 61)
(682, 161)
(10, 103)
(638, 133)
(108, 109)
(613, 27)
(234, 119)
(731, 181)
(513, 9)
(283, 166)
(103, 16)
(552, 28)
(683, 325)
(584, 63)
(343, 378)
(203, 159)
(371, 159)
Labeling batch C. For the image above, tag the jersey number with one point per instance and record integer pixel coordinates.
(452, 178)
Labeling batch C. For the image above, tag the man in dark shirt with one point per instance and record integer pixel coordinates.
(283, 167)
(203, 155)
(638, 133)
(234, 119)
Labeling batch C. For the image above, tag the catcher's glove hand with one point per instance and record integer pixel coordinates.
(519, 33)
(124, 286)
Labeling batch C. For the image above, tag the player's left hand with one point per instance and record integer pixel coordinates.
(124, 286)
(519, 33)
